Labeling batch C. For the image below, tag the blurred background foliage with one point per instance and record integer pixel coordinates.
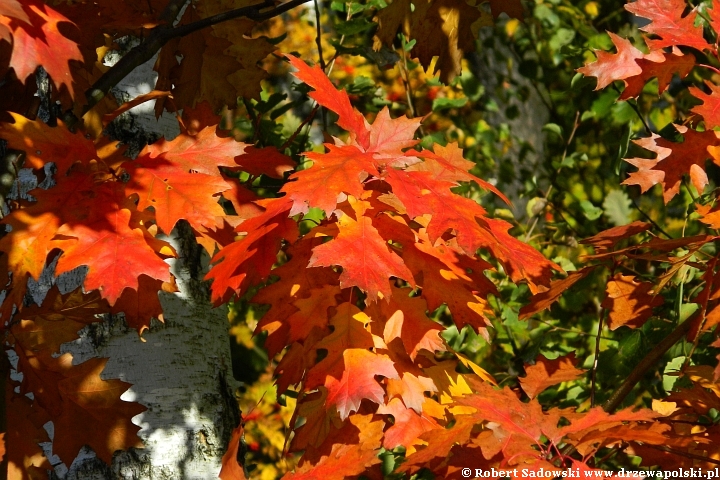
(537, 130)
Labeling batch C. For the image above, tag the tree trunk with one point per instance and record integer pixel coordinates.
(180, 369)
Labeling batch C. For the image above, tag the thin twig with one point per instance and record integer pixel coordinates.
(664, 448)
(163, 33)
(318, 36)
(576, 124)
(649, 219)
(307, 120)
(593, 372)
(635, 108)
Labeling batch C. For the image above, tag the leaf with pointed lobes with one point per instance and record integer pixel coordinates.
(201, 153)
(329, 97)
(141, 305)
(674, 160)
(406, 319)
(116, 253)
(546, 373)
(668, 23)
(448, 164)
(24, 456)
(710, 108)
(408, 425)
(628, 302)
(444, 273)
(607, 239)
(348, 453)
(342, 170)
(265, 161)
(175, 194)
(231, 468)
(543, 300)
(358, 381)
(44, 144)
(661, 68)
(94, 414)
(348, 371)
(614, 66)
(365, 257)
(443, 29)
(37, 41)
(250, 260)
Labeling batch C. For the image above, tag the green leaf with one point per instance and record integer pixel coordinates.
(445, 103)
(617, 208)
(591, 211)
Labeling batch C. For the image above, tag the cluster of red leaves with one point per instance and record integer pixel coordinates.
(351, 302)
(349, 298)
(668, 30)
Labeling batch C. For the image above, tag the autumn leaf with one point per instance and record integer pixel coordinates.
(231, 469)
(115, 253)
(175, 194)
(445, 29)
(37, 41)
(629, 302)
(407, 426)
(358, 380)
(614, 66)
(664, 69)
(710, 108)
(543, 300)
(673, 160)
(546, 373)
(669, 24)
(367, 261)
(337, 101)
(342, 170)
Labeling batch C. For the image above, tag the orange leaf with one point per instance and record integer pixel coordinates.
(543, 300)
(115, 253)
(629, 303)
(546, 373)
(231, 469)
(367, 261)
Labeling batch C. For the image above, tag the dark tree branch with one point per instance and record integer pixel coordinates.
(163, 33)
(650, 359)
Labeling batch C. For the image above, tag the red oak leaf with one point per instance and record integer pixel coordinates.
(614, 66)
(358, 380)
(43, 144)
(115, 253)
(174, 193)
(38, 41)
(660, 66)
(710, 108)
(668, 23)
(201, 153)
(406, 319)
(546, 373)
(628, 302)
(673, 161)
(340, 170)
(367, 261)
(408, 425)
(543, 300)
(328, 96)
(231, 469)
(249, 261)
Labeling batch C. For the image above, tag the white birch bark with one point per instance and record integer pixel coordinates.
(180, 370)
